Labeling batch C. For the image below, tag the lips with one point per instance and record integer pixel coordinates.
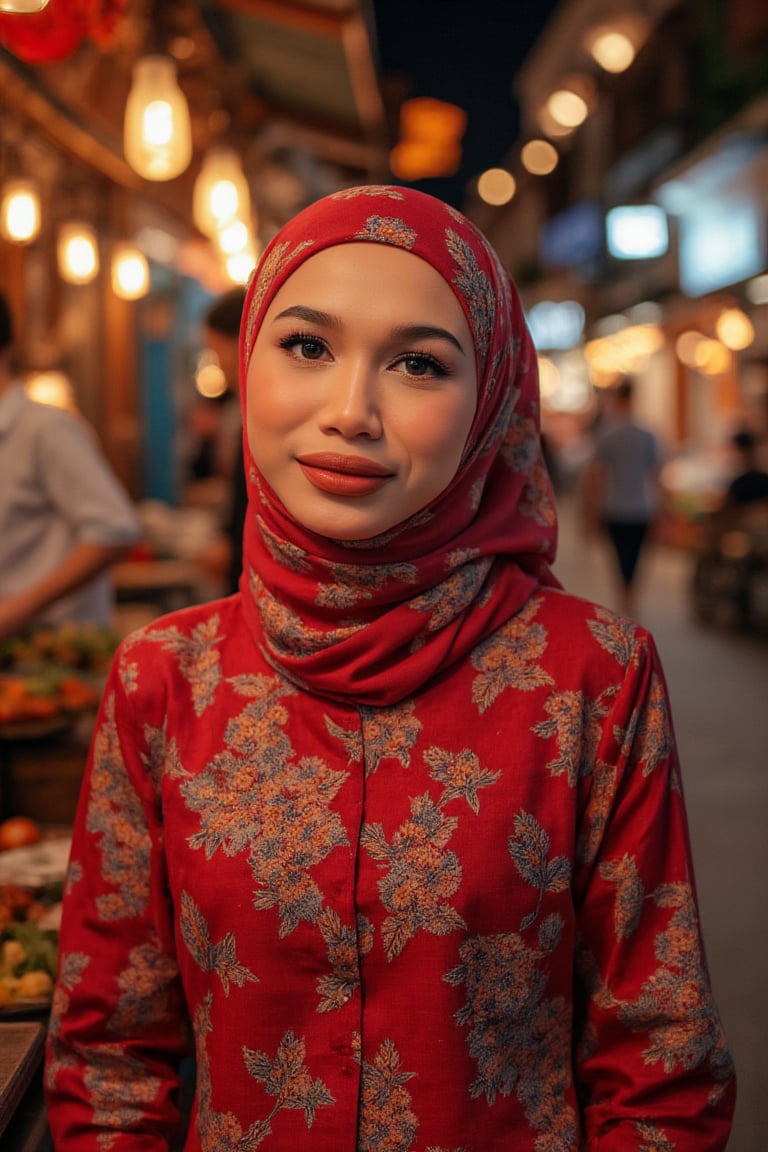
(343, 475)
(349, 465)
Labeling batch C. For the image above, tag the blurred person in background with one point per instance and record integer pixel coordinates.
(223, 559)
(749, 484)
(214, 420)
(622, 487)
(64, 516)
(732, 558)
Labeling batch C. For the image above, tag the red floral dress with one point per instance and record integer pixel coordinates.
(394, 840)
(463, 921)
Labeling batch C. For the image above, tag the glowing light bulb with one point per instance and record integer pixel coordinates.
(157, 135)
(130, 273)
(613, 51)
(20, 212)
(221, 191)
(539, 157)
(78, 255)
(735, 329)
(496, 186)
(567, 108)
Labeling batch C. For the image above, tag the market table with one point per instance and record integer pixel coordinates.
(169, 584)
(23, 1124)
(13, 736)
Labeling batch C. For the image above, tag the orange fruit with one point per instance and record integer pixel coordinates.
(17, 831)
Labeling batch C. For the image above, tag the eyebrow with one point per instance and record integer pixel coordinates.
(403, 331)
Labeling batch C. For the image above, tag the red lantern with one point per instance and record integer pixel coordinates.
(59, 30)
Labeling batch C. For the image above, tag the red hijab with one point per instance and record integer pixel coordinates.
(371, 621)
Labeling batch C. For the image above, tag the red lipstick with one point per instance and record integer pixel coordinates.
(343, 475)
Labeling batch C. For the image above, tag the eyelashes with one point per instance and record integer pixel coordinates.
(294, 340)
(417, 363)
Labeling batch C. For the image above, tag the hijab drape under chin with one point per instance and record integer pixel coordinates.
(372, 621)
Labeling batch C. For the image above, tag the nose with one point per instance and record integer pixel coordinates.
(351, 403)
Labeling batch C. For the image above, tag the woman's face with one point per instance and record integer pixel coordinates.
(361, 390)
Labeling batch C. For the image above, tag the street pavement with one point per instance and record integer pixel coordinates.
(718, 683)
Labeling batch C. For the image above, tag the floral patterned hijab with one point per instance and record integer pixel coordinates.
(371, 621)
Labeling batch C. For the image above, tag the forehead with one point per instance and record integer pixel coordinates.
(346, 274)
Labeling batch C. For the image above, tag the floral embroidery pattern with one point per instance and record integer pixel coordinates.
(507, 659)
(675, 1008)
(515, 1033)
(287, 633)
(116, 817)
(476, 289)
(422, 875)
(375, 190)
(614, 634)
(529, 848)
(198, 658)
(390, 734)
(653, 1139)
(462, 775)
(650, 733)
(386, 734)
(143, 989)
(597, 811)
(120, 1087)
(283, 551)
(286, 1078)
(273, 265)
(345, 948)
(221, 957)
(536, 499)
(629, 894)
(72, 965)
(576, 723)
(353, 582)
(454, 595)
(388, 230)
(387, 1121)
(252, 796)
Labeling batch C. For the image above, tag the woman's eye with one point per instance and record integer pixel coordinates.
(304, 347)
(422, 365)
(311, 349)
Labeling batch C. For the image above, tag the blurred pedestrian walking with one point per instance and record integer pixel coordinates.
(622, 487)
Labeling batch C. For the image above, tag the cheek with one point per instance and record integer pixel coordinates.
(439, 436)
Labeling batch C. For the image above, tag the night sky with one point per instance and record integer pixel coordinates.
(466, 52)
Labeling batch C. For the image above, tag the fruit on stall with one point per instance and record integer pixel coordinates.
(43, 696)
(17, 832)
(75, 646)
(27, 947)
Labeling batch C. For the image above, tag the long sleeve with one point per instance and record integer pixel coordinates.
(117, 1028)
(653, 1066)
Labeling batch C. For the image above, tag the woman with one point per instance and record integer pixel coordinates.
(399, 827)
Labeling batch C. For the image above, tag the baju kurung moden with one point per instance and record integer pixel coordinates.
(393, 841)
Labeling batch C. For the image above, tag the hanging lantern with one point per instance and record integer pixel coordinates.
(23, 6)
(221, 191)
(130, 272)
(78, 253)
(20, 212)
(157, 131)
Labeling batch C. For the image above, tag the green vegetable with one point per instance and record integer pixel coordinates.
(39, 945)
